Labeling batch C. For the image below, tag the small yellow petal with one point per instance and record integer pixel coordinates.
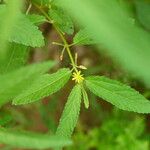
(78, 77)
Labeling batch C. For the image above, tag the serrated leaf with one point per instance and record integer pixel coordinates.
(85, 98)
(43, 86)
(23, 31)
(83, 38)
(16, 57)
(36, 19)
(143, 12)
(22, 139)
(11, 84)
(26, 33)
(70, 113)
(118, 94)
(61, 19)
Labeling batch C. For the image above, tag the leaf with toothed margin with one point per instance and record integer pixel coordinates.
(118, 94)
(70, 113)
(61, 19)
(26, 33)
(43, 86)
(13, 83)
(83, 38)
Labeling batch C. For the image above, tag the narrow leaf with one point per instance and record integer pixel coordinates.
(22, 139)
(70, 114)
(85, 98)
(14, 82)
(43, 86)
(118, 94)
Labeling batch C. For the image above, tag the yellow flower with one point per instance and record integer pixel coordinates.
(77, 77)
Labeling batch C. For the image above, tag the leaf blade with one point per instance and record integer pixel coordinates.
(61, 19)
(70, 113)
(83, 38)
(118, 94)
(16, 57)
(25, 28)
(8, 17)
(30, 140)
(85, 98)
(43, 86)
(14, 82)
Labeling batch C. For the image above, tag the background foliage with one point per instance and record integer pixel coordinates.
(44, 44)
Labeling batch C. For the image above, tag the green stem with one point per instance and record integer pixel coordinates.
(28, 10)
(67, 46)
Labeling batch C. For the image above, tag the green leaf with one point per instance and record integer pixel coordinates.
(83, 38)
(43, 86)
(15, 82)
(16, 57)
(61, 19)
(85, 98)
(118, 94)
(8, 17)
(36, 19)
(70, 113)
(143, 12)
(22, 32)
(22, 139)
(26, 33)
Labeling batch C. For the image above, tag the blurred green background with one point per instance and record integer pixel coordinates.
(123, 54)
